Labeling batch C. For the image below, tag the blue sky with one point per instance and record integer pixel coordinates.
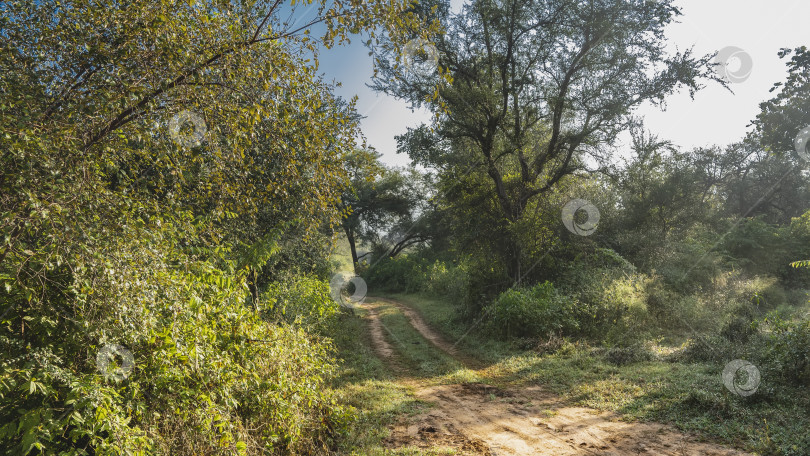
(715, 116)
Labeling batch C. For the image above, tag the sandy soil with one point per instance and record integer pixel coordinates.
(480, 419)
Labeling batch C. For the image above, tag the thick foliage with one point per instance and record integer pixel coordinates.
(301, 300)
(207, 370)
(539, 311)
(790, 351)
(160, 159)
(404, 273)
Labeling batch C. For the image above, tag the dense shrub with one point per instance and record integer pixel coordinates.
(762, 292)
(705, 348)
(688, 264)
(447, 281)
(610, 296)
(634, 353)
(789, 350)
(300, 300)
(416, 274)
(401, 274)
(674, 312)
(625, 300)
(209, 375)
(780, 348)
(757, 246)
(539, 311)
(797, 296)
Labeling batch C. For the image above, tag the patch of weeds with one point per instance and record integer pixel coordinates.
(622, 356)
(549, 413)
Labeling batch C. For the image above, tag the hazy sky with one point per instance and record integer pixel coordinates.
(716, 116)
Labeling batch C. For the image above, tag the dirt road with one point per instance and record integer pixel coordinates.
(480, 419)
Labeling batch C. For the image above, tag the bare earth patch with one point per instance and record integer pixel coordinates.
(381, 345)
(480, 419)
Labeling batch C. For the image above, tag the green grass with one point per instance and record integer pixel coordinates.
(367, 385)
(689, 395)
(417, 355)
(443, 317)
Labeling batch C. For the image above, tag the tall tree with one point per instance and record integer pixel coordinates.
(527, 86)
(783, 117)
(378, 204)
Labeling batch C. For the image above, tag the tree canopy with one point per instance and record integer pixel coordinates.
(157, 159)
(525, 88)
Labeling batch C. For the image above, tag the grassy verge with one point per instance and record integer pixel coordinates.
(690, 396)
(416, 354)
(365, 383)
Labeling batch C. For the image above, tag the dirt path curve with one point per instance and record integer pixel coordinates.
(432, 336)
(480, 419)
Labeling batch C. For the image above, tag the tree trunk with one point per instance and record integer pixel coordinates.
(352, 246)
(514, 267)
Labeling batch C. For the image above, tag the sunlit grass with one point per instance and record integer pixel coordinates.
(689, 395)
(366, 383)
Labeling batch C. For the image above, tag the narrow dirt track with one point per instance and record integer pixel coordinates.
(480, 419)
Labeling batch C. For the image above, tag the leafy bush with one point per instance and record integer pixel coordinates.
(300, 300)
(763, 292)
(634, 353)
(610, 295)
(741, 325)
(447, 282)
(789, 352)
(539, 311)
(689, 264)
(674, 312)
(757, 246)
(797, 296)
(625, 300)
(414, 274)
(209, 375)
(404, 273)
(705, 348)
